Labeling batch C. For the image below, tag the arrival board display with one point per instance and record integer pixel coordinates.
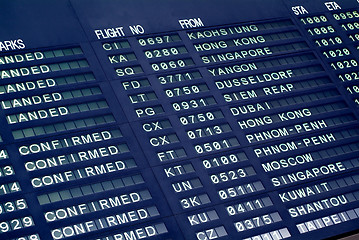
(173, 120)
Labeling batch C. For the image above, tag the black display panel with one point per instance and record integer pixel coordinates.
(128, 120)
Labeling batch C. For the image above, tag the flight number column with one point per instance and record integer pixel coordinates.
(201, 129)
(174, 113)
(212, 146)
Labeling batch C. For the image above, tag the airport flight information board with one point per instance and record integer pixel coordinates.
(191, 119)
